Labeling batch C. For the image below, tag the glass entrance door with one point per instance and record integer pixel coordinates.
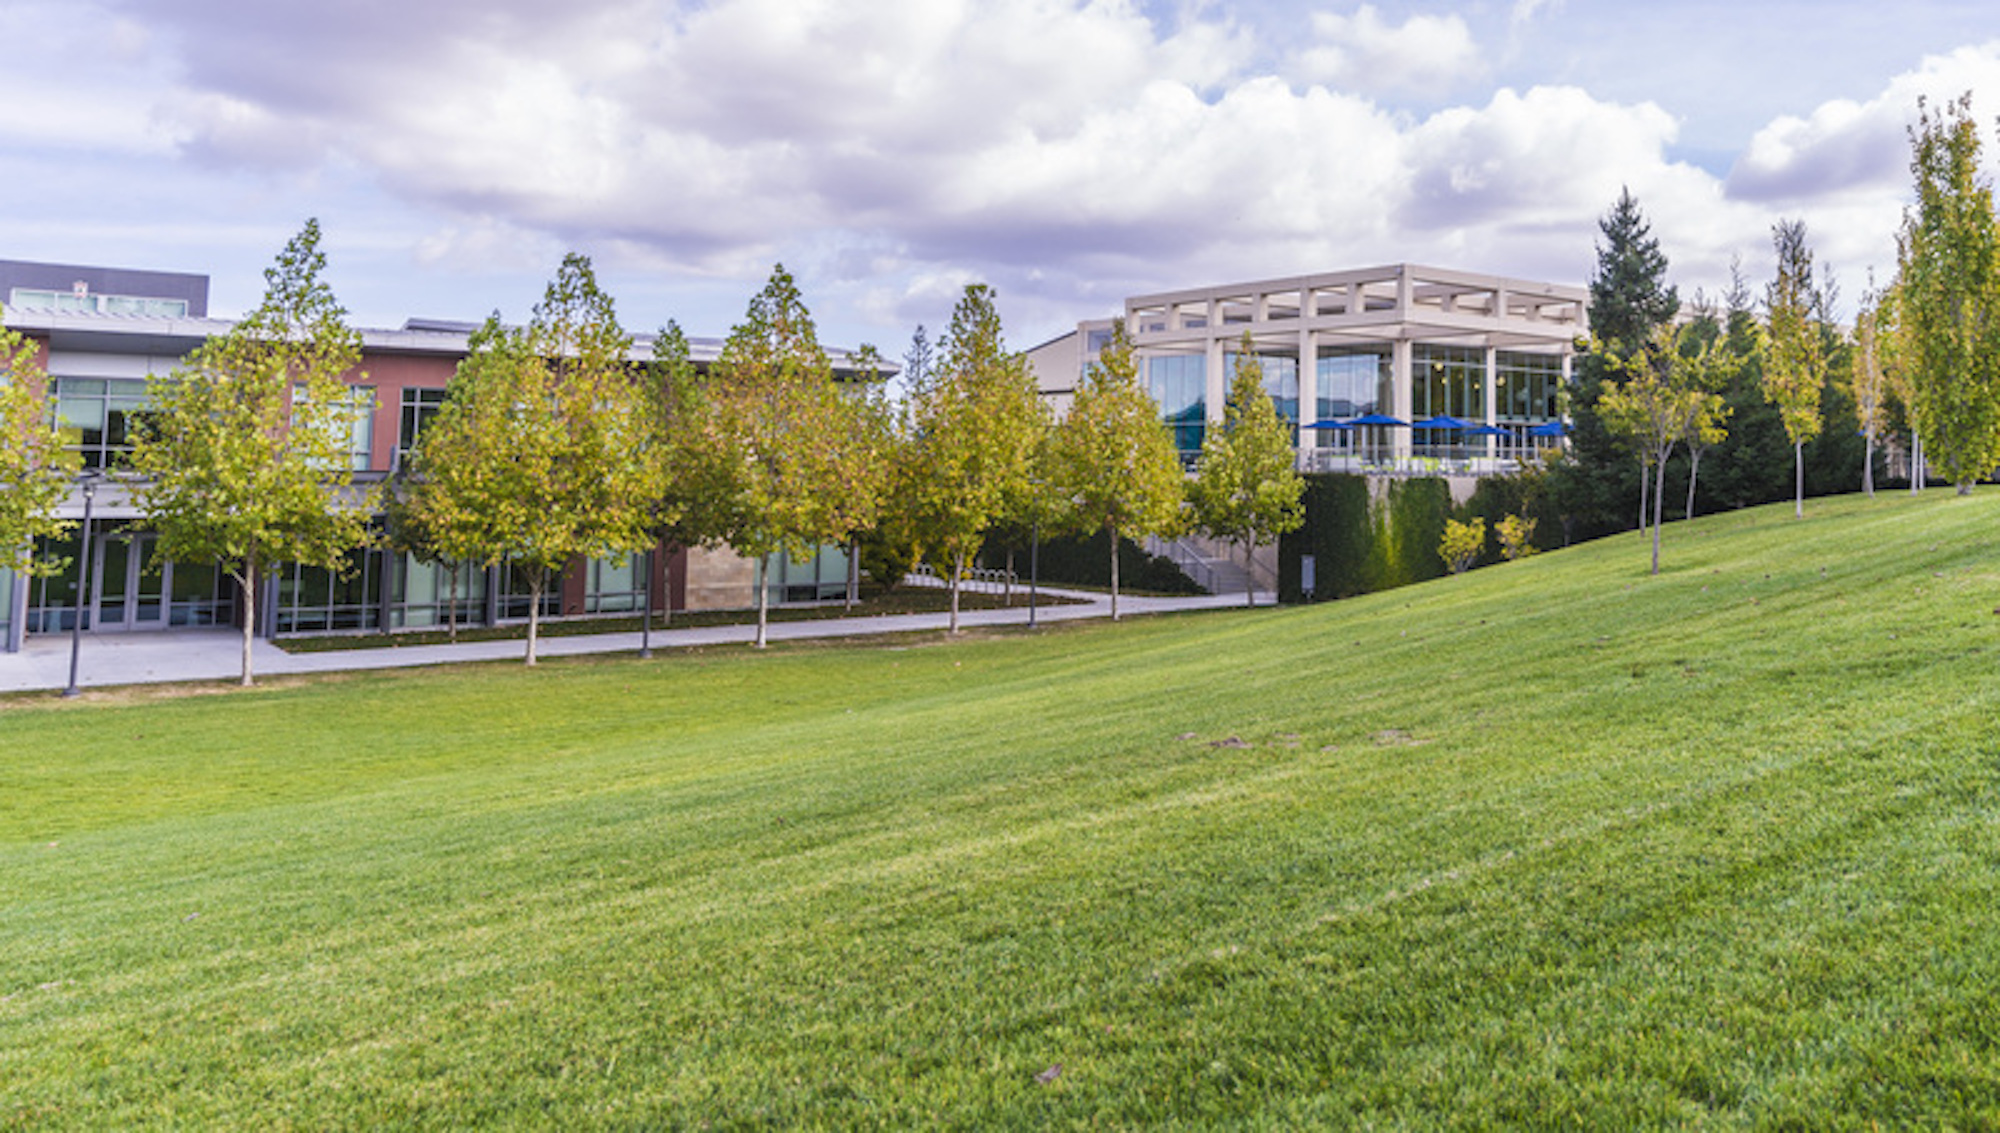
(130, 587)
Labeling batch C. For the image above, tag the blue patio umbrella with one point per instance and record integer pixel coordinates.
(1549, 429)
(1488, 431)
(1456, 424)
(1378, 419)
(1331, 424)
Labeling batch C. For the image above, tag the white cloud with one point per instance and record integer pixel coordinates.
(1068, 151)
(1364, 52)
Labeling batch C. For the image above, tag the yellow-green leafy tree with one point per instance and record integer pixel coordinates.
(975, 423)
(1247, 488)
(36, 466)
(1111, 458)
(1872, 378)
(806, 466)
(244, 457)
(1948, 265)
(1660, 404)
(1794, 350)
(537, 457)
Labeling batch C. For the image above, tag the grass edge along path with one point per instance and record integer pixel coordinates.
(1553, 843)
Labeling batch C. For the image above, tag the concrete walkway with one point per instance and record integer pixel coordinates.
(216, 654)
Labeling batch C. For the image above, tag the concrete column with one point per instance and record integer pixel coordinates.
(1215, 390)
(1400, 387)
(1308, 386)
(1492, 388)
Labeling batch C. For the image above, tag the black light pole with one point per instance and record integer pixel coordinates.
(1034, 569)
(646, 618)
(82, 589)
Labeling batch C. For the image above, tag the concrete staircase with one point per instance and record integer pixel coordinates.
(1217, 574)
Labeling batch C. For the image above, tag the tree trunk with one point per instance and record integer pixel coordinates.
(1694, 469)
(249, 581)
(763, 597)
(1799, 479)
(1868, 465)
(1113, 528)
(1916, 462)
(451, 604)
(1007, 581)
(1645, 483)
(1249, 583)
(1659, 504)
(536, 581)
(957, 572)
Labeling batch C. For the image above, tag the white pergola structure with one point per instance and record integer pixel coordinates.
(1402, 311)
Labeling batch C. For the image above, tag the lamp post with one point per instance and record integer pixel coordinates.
(83, 557)
(646, 616)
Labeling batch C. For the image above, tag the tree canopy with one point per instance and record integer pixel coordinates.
(245, 455)
(1949, 286)
(36, 467)
(1247, 489)
(1112, 459)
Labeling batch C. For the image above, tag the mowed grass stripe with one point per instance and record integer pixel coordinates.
(1553, 843)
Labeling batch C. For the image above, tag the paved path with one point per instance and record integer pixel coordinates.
(216, 654)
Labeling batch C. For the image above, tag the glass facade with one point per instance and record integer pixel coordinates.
(132, 588)
(821, 577)
(1527, 387)
(1354, 381)
(314, 599)
(1281, 384)
(614, 586)
(426, 593)
(1179, 383)
(102, 411)
(27, 298)
(1447, 381)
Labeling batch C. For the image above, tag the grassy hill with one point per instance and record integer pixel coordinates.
(1554, 843)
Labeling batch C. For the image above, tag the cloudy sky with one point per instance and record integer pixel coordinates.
(1069, 152)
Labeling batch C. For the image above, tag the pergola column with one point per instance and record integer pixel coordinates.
(1215, 390)
(1492, 391)
(1400, 388)
(1308, 386)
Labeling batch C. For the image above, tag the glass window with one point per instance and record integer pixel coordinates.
(103, 412)
(1179, 382)
(419, 406)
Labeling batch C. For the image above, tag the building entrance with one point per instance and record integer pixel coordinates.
(129, 588)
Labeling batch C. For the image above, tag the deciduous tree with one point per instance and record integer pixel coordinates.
(36, 469)
(1113, 460)
(808, 469)
(975, 422)
(244, 457)
(1247, 488)
(1949, 276)
(1794, 355)
(536, 458)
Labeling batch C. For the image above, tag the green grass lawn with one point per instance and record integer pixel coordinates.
(1554, 843)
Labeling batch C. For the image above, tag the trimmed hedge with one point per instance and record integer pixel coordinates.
(1360, 544)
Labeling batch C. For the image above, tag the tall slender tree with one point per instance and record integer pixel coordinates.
(975, 423)
(536, 458)
(808, 471)
(1629, 297)
(1113, 459)
(1795, 355)
(1247, 488)
(245, 455)
(1949, 268)
(1871, 377)
(36, 466)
